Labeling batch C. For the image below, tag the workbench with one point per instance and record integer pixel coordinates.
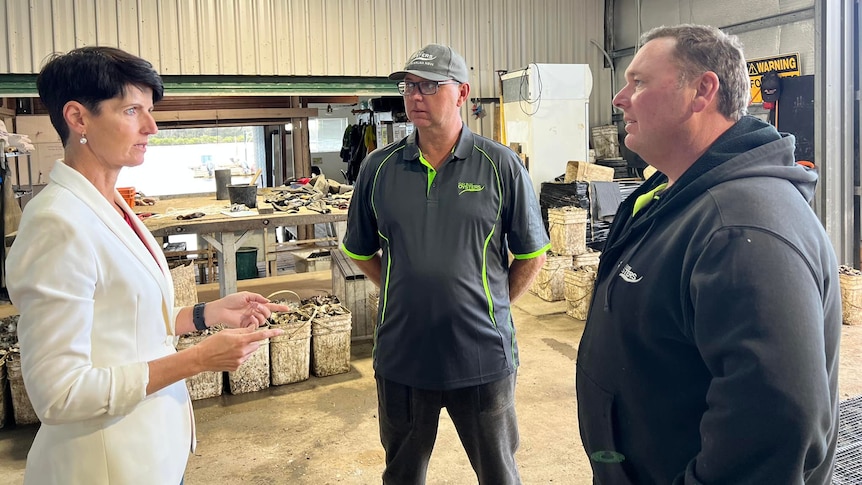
(226, 232)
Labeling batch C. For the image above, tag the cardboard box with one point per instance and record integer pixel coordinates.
(588, 172)
(319, 260)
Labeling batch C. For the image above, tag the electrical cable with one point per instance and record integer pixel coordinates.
(524, 95)
(614, 109)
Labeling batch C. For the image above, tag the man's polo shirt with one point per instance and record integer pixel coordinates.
(444, 320)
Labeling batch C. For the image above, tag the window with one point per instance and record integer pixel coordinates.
(182, 161)
(325, 134)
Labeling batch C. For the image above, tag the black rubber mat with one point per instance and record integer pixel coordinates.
(848, 458)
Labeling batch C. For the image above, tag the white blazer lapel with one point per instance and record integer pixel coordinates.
(76, 183)
(153, 250)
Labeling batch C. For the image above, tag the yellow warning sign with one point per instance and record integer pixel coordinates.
(785, 65)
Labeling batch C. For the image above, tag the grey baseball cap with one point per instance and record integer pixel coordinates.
(435, 62)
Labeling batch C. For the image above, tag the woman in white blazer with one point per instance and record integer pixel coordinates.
(98, 325)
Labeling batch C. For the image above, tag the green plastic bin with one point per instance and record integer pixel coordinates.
(246, 263)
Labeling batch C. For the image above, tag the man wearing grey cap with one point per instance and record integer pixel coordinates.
(433, 219)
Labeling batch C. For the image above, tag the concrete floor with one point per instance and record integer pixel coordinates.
(324, 430)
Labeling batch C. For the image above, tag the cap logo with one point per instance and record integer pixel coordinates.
(423, 59)
(423, 56)
(434, 62)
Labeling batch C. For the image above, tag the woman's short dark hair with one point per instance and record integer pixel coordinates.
(90, 75)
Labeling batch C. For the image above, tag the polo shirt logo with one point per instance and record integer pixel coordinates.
(468, 187)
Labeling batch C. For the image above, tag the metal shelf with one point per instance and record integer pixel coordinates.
(14, 157)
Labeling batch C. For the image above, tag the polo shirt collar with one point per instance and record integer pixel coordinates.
(463, 148)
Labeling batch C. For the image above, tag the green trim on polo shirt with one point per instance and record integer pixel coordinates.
(385, 290)
(646, 199)
(485, 284)
(355, 256)
(377, 174)
(534, 254)
(432, 172)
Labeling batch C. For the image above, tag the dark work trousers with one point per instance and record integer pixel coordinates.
(484, 417)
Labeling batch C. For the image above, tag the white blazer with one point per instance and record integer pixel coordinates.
(94, 306)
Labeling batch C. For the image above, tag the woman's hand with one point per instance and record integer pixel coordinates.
(228, 349)
(241, 310)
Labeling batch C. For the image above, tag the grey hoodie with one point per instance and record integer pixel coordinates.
(710, 353)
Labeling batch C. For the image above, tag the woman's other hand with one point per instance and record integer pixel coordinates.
(228, 349)
(241, 310)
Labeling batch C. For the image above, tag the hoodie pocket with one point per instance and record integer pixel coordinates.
(595, 415)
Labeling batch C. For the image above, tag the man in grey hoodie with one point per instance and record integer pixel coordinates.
(710, 353)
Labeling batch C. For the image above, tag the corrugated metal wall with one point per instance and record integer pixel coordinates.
(831, 23)
(770, 41)
(312, 37)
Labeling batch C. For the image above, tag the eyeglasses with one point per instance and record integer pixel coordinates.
(426, 88)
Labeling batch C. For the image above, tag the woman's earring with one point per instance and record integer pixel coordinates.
(83, 139)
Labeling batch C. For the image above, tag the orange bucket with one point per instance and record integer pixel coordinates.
(128, 194)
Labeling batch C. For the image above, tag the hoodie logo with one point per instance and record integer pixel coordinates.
(630, 276)
(608, 457)
(468, 187)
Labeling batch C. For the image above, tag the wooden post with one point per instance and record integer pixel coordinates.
(301, 162)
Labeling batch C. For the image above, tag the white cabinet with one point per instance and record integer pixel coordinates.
(48, 148)
(546, 111)
(390, 132)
